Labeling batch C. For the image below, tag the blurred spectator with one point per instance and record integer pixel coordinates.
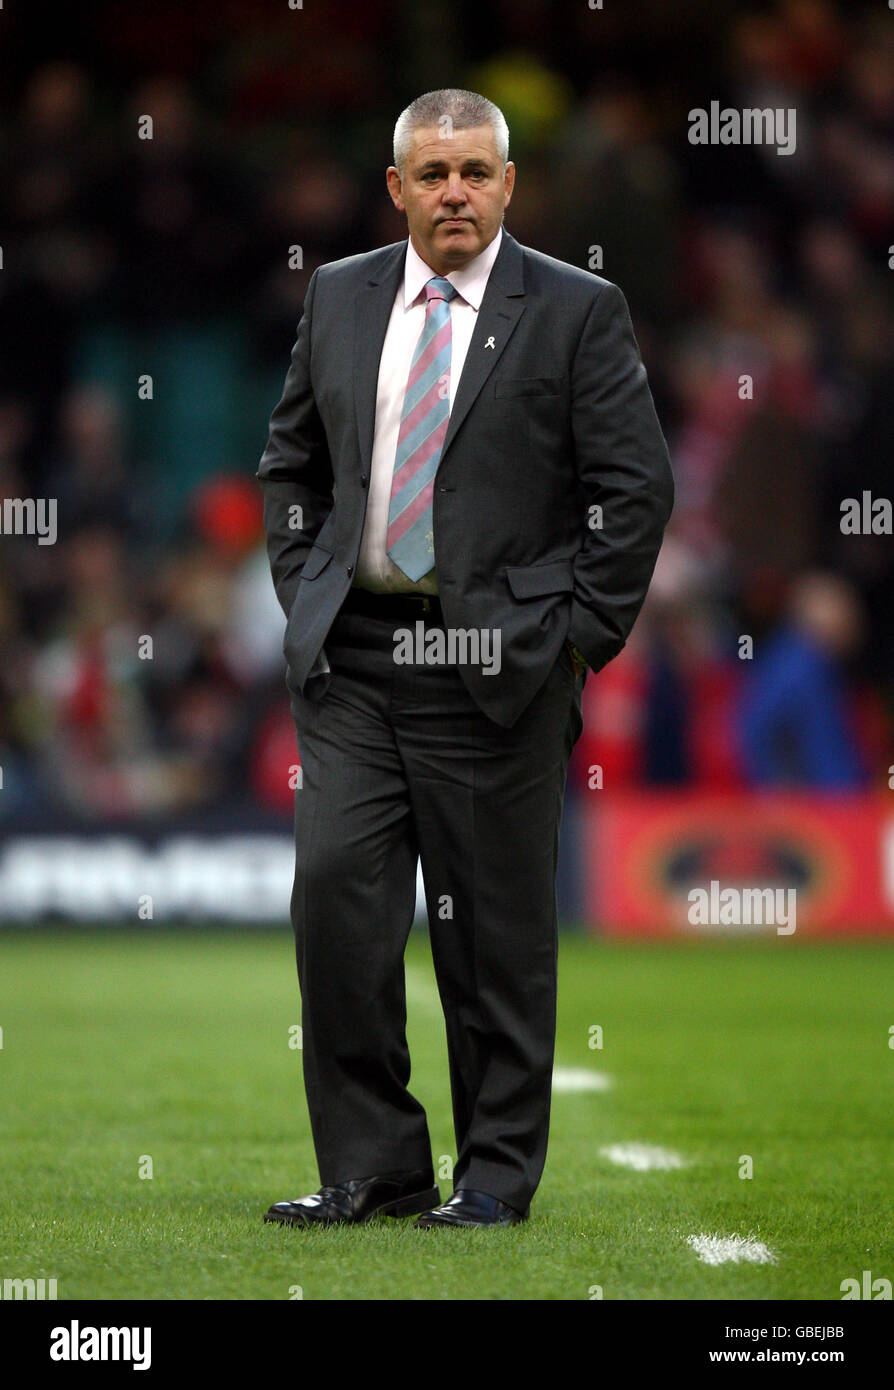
(795, 726)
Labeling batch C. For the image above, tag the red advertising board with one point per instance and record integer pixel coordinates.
(678, 864)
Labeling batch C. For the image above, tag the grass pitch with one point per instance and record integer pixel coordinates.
(124, 1047)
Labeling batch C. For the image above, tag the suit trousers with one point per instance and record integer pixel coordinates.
(399, 763)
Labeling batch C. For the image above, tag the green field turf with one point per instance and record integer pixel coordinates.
(176, 1046)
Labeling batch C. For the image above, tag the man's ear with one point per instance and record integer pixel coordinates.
(509, 181)
(395, 188)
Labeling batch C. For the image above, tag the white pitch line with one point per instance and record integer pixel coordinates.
(642, 1157)
(580, 1079)
(721, 1250)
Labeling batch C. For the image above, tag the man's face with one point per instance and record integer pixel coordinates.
(453, 191)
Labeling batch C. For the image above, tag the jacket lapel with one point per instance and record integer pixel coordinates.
(501, 308)
(372, 314)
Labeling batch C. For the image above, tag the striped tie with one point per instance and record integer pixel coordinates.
(423, 427)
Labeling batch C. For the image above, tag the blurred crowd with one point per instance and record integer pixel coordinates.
(148, 302)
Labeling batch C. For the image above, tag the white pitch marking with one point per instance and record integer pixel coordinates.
(642, 1157)
(721, 1250)
(580, 1079)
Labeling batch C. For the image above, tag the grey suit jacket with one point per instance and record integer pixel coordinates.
(554, 484)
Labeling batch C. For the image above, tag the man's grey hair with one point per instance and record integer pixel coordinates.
(449, 108)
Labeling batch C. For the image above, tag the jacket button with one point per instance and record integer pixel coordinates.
(350, 569)
(363, 480)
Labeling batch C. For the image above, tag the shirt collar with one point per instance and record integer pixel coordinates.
(470, 281)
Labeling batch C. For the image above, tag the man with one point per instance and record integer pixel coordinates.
(465, 490)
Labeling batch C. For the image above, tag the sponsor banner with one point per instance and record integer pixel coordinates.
(677, 864)
(241, 878)
(238, 873)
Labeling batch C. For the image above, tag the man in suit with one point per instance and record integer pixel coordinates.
(465, 489)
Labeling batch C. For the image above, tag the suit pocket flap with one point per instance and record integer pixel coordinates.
(530, 581)
(528, 386)
(318, 558)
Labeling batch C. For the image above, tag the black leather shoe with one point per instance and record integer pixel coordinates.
(352, 1203)
(468, 1208)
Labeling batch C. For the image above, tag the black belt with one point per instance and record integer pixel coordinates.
(408, 607)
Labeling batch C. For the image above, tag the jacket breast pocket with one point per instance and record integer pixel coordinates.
(514, 387)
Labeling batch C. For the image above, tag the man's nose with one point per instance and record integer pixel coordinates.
(454, 192)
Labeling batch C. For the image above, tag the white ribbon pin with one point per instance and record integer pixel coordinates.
(490, 344)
